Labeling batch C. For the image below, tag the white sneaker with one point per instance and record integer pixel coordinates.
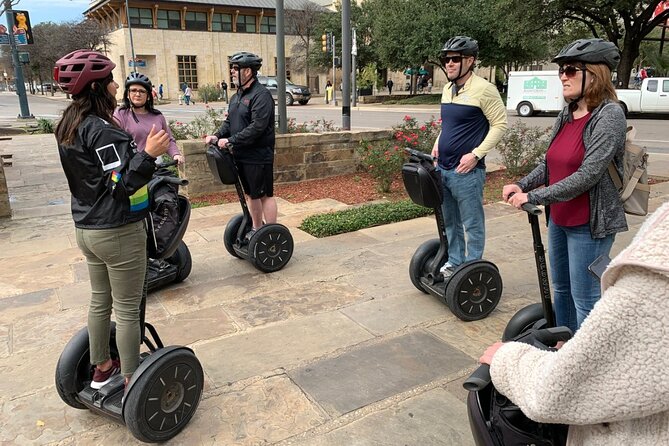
(447, 268)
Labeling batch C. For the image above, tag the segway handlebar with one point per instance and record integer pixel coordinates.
(175, 180)
(528, 207)
(541, 339)
(419, 155)
(167, 164)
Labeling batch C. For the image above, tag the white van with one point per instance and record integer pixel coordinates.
(530, 92)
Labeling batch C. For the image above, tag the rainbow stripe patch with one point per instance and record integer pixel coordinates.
(140, 199)
(115, 176)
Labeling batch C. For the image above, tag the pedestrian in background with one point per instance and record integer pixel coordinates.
(328, 92)
(160, 91)
(583, 205)
(187, 94)
(390, 84)
(224, 87)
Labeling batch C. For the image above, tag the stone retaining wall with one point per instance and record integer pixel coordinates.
(298, 157)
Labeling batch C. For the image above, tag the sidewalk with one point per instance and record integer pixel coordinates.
(338, 348)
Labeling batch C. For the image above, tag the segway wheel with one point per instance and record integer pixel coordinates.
(421, 260)
(74, 370)
(183, 261)
(164, 398)
(271, 247)
(474, 291)
(531, 316)
(230, 234)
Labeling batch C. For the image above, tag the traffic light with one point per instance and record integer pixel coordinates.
(326, 41)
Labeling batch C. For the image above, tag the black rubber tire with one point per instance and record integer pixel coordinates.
(474, 291)
(624, 107)
(421, 259)
(74, 370)
(525, 109)
(271, 247)
(289, 99)
(183, 261)
(170, 388)
(303, 102)
(230, 234)
(531, 316)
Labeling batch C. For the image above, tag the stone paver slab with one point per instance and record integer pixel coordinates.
(285, 344)
(375, 372)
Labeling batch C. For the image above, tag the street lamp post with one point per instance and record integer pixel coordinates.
(132, 45)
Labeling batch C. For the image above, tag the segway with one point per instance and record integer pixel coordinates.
(473, 290)
(493, 418)
(169, 257)
(270, 248)
(164, 391)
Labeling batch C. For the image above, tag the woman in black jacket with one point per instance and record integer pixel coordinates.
(107, 177)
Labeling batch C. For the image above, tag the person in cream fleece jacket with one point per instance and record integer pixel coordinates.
(609, 382)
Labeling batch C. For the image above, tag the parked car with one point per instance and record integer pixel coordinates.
(294, 92)
(653, 97)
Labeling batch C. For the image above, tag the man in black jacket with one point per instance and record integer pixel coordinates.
(249, 132)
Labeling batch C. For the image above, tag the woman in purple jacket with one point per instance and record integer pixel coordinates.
(137, 114)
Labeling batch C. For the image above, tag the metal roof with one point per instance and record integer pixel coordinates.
(260, 4)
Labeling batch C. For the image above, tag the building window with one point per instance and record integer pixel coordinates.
(268, 25)
(221, 22)
(246, 24)
(187, 66)
(168, 19)
(140, 17)
(196, 21)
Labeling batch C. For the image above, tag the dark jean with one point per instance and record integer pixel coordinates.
(463, 214)
(575, 290)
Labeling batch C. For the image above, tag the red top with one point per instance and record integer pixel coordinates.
(564, 157)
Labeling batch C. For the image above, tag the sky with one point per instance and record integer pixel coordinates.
(56, 11)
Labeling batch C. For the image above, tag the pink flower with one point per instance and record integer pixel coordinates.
(423, 128)
(407, 118)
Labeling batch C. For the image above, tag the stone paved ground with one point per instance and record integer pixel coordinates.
(338, 348)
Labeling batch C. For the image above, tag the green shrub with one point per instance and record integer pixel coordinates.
(522, 147)
(367, 216)
(384, 159)
(317, 126)
(45, 125)
(200, 126)
(208, 92)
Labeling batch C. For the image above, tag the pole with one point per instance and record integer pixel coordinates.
(132, 45)
(334, 72)
(281, 67)
(18, 70)
(354, 54)
(346, 64)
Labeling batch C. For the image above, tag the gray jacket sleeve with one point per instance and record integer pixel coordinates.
(604, 136)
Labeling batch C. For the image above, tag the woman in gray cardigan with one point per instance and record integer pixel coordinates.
(585, 209)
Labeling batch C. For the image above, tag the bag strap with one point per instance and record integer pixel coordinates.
(615, 177)
(634, 180)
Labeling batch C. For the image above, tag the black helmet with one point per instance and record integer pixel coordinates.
(461, 44)
(138, 78)
(592, 51)
(246, 60)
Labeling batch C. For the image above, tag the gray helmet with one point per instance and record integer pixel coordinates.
(246, 60)
(461, 44)
(592, 51)
(138, 78)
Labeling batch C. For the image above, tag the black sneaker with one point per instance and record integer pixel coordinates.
(101, 378)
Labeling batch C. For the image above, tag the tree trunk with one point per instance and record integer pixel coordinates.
(628, 55)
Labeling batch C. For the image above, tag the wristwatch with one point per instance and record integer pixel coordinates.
(476, 156)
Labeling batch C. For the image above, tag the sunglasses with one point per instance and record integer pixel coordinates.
(570, 70)
(137, 91)
(447, 59)
(234, 68)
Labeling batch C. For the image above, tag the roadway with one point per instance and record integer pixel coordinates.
(652, 130)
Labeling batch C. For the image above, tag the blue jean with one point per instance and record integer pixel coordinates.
(463, 214)
(575, 290)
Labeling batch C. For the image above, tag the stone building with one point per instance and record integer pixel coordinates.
(189, 41)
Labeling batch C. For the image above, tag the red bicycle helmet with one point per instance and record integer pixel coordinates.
(79, 68)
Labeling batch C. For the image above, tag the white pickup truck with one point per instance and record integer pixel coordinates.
(653, 97)
(531, 92)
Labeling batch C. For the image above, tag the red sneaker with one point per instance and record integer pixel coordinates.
(101, 378)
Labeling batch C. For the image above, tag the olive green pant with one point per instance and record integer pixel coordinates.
(116, 260)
